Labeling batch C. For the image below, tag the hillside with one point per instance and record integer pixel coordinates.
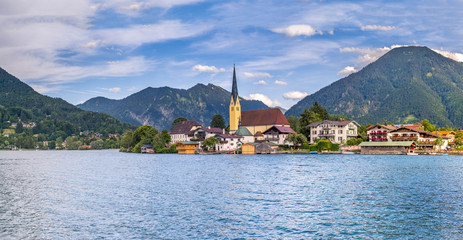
(19, 101)
(405, 85)
(160, 106)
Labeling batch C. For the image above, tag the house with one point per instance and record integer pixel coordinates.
(387, 147)
(187, 147)
(147, 148)
(248, 137)
(449, 134)
(263, 119)
(249, 148)
(259, 137)
(380, 133)
(181, 131)
(228, 142)
(335, 131)
(202, 133)
(277, 134)
(423, 139)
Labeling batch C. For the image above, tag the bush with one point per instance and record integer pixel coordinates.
(313, 148)
(305, 146)
(323, 144)
(334, 147)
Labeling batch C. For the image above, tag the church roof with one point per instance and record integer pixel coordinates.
(235, 86)
(270, 116)
(243, 131)
(281, 129)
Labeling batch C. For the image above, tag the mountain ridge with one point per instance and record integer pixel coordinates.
(404, 85)
(160, 106)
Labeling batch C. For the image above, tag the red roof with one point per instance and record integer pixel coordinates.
(282, 129)
(271, 116)
(184, 127)
(422, 131)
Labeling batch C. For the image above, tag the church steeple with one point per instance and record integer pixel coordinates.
(235, 107)
(235, 86)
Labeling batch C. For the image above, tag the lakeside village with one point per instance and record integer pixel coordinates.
(265, 131)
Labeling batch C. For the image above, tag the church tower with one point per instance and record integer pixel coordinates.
(235, 107)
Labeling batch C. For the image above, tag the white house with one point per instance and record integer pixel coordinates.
(335, 131)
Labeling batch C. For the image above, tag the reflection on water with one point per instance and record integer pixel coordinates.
(106, 194)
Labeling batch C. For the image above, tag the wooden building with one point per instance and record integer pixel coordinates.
(248, 148)
(147, 148)
(187, 147)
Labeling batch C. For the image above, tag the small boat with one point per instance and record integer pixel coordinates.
(313, 152)
(346, 152)
(412, 154)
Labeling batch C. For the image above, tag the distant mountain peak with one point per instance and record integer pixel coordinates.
(407, 84)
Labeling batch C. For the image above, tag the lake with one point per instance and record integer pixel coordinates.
(112, 195)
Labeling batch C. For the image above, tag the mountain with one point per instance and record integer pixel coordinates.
(19, 101)
(405, 85)
(160, 106)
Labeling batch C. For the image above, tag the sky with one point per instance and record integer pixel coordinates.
(283, 50)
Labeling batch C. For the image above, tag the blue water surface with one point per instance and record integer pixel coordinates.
(112, 195)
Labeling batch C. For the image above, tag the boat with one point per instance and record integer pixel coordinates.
(412, 154)
(313, 152)
(346, 152)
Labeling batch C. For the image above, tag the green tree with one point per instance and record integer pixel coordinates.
(323, 144)
(210, 142)
(427, 126)
(144, 132)
(294, 124)
(165, 135)
(458, 142)
(322, 112)
(177, 120)
(97, 144)
(19, 128)
(354, 141)
(127, 141)
(297, 139)
(218, 122)
(459, 135)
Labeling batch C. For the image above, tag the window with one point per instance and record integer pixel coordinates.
(314, 132)
(231, 108)
(340, 131)
(237, 108)
(339, 138)
(332, 131)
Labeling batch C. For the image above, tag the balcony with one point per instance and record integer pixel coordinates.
(378, 133)
(404, 138)
(273, 139)
(378, 139)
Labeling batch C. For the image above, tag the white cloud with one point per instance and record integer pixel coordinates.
(261, 82)
(257, 75)
(92, 44)
(131, 89)
(347, 71)
(298, 30)
(266, 100)
(295, 95)
(115, 89)
(368, 55)
(377, 27)
(454, 56)
(277, 82)
(205, 68)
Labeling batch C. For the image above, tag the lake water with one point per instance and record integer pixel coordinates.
(112, 195)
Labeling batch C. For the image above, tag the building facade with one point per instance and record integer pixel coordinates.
(335, 131)
(235, 107)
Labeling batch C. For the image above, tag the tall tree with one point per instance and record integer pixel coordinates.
(294, 123)
(19, 127)
(177, 120)
(218, 122)
(145, 133)
(427, 126)
(127, 140)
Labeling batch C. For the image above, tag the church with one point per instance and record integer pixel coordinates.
(257, 122)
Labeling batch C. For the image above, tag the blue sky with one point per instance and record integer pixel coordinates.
(283, 50)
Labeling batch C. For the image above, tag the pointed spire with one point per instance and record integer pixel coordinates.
(235, 86)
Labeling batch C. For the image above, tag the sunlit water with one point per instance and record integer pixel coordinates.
(112, 195)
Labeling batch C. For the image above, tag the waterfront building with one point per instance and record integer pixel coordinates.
(187, 147)
(248, 137)
(423, 139)
(202, 133)
(335, 131)
(387, 147)
(228, 142)
(380, 133)
(182, 131)
(278, 134)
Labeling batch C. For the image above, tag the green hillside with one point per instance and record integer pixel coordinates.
(20, 101)
(160, 106)
(405, 85)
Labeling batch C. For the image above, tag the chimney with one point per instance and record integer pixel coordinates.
(223, 131)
